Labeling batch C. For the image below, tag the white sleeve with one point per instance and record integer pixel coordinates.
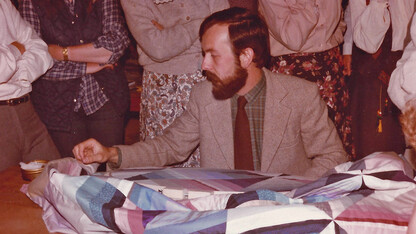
(35, 61)
(402, 84)
(348, 41)
(371, 26)
(8, 62)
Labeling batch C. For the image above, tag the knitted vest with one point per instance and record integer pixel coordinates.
(54, 100)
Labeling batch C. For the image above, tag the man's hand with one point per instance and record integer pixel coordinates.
(91, 151)
(19, 46)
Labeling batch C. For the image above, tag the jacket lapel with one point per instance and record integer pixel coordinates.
(276, 118)
(219, 115)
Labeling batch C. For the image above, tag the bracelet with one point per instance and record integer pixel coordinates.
(65, 53)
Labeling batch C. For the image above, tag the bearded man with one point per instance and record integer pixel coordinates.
(281, 127)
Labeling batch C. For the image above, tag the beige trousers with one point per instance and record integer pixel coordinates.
(23, 137)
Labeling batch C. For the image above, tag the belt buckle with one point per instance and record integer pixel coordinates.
(13, 102)
(10, 102)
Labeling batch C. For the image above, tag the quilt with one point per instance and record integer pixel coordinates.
(373, 195)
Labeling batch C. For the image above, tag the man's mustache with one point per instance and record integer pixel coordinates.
(211, 76)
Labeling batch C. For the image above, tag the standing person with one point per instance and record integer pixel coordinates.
(166, 32)
(23, 58)
(243, 117)
(85, 94)
(379, 30)
(402, 91)
(304, 38)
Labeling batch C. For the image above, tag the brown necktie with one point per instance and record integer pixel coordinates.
(243, 156)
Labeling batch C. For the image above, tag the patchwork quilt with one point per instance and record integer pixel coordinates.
(373, 195)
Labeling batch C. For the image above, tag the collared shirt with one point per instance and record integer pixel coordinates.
(255, 106)
(114, 38)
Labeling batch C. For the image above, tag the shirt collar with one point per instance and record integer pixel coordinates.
(254, 92)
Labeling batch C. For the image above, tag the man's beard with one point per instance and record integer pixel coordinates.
(226, 88)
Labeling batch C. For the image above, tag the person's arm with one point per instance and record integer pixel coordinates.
(9, 54)
(161, 43)
(348, 42)
(290, 22)
(402, 84)
(175, 145)
(371, 23)
(61, 69)
(26, 58)
(108, 47)
(321, 141)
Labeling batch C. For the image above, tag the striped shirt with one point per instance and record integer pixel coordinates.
(255, 106)
(114, 38)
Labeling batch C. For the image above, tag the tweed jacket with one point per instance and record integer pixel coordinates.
(298, 136)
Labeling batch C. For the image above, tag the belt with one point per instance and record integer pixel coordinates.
(15, 101)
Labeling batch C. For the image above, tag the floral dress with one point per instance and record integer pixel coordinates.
(163, 99)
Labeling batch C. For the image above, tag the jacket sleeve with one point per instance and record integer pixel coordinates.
(321, 141)
(290, 22)
(371, 24)
(402, 84)
(175, 145)
(34, 61)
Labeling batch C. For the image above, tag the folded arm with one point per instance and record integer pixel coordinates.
(161, 42)
(90, 57)
(290, 22)
(25, 56)
(107, 48)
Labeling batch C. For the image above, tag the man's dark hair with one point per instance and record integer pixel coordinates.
(246, 30)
